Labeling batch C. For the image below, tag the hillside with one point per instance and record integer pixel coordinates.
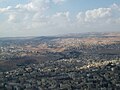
(71, 62)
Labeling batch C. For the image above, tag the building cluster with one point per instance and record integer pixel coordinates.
(49, 76)
(60, 63)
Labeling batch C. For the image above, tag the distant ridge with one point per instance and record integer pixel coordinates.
(70, 35)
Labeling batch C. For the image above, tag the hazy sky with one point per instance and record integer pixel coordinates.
(52, 17)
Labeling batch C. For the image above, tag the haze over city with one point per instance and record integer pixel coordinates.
(59, 44)
(53, 17)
